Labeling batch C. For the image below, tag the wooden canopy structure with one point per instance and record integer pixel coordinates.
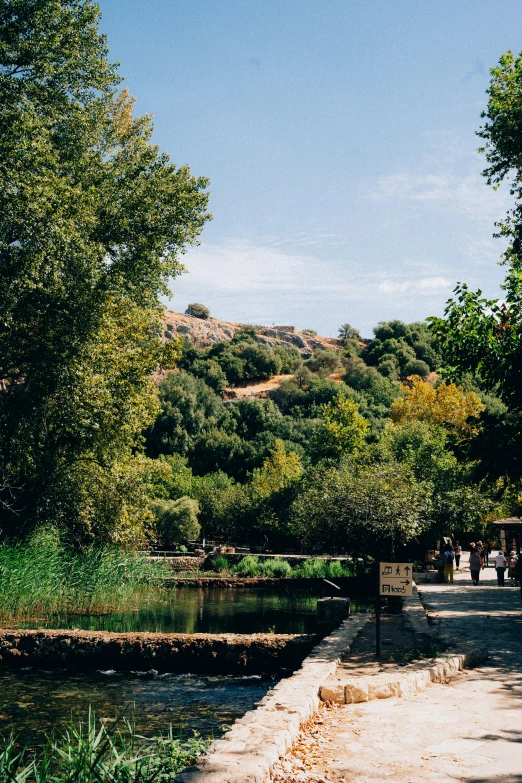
(507, 522)
(510, 532)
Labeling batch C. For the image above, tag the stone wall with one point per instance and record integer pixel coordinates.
(177, 653)
(205, 332)
(185, 562)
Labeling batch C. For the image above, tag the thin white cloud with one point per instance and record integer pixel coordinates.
(308, 239)
(425, 286)
(467, 195)
(243, 281)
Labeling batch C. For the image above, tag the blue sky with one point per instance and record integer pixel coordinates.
(338, 136)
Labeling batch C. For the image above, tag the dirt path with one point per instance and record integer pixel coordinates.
(253, 389)
(468, 730)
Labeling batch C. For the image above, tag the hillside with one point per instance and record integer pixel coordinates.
(205, 332)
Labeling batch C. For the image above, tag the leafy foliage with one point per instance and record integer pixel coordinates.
(342, 430)
(177, 519)
(445, 404)
(483, 336)
(363, 509)
(93, 219)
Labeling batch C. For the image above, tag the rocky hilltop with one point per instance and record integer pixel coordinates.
(203, 333)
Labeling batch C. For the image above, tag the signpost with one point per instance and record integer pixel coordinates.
(394, 579)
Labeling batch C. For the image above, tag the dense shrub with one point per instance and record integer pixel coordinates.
(260, 362)
(197, 310)
(289, 356)
(277, 567)
(372, 384)
(417, 367)
(329, 361)
(177, 519)
(248, 566)
(389, 369)
(220, 564)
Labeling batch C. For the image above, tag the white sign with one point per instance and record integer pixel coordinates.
(395, 578)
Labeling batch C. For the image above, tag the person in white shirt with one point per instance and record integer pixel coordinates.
(500, 566)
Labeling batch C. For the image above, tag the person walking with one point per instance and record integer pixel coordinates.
(474, 565)
(481, 549)
(440, 564)
(448, 564)
(487, 552)
(518, 573)
(500, 566)
(458, 552)
(512, 561)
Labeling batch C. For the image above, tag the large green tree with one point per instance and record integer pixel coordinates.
(484, 335)
(93, 218)
(365, 510)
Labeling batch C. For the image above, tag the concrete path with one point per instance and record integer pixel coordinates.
(468, 730)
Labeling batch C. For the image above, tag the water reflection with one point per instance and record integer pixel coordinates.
(204, 610)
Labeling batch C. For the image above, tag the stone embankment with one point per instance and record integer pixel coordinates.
(205, 332)
(176, 653)
(256, 741)
(406, 682)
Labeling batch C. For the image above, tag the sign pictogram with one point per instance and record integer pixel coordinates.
(395, 579)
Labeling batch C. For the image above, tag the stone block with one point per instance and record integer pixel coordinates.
(356, 693)
(422, 678)
(383, 690)
(436, 672)
(406, 686)
(333, 693)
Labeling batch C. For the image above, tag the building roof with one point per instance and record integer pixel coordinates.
(508, 522)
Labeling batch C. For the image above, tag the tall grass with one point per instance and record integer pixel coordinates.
(42, 576)
(314, 567)
(92, 753)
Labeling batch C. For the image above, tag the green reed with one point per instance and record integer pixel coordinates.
(96, 752)
(43, 576)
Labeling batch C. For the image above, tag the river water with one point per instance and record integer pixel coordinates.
(32, 701)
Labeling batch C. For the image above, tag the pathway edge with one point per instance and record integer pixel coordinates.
(257, 740)
(404, 683)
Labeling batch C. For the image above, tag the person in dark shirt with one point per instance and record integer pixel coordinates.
(458, 552)
(474, 565)
(518, 573)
